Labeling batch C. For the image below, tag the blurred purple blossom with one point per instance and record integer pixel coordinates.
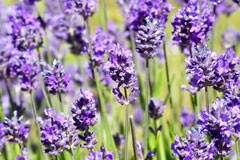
(140, 9)
(187, 117)
(101, 154)
(85, 8)
(24, 29)
(2, 135)
(24, 155)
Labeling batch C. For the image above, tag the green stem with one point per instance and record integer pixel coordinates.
(35, 119)
(100, 95)
(9, 93)
(207, 100)
(20, 148)
(146, 109)
(60, 102)
(105, 14)
(133, 137)
(157, 141)
(168, 83)
(238, 149)
(126, 128)
(72, 155)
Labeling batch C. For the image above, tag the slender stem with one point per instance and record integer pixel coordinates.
(45, 92)
(56, 157)
(9, 93)
(20, 147)
(35, 118)
(133, 137)
(238, 149)
(126, 128)
(72, 154)
(213, 29)
(105, 13)
(168, 82)
(146, 108)
(157, 141)
(100, 95)
(150, 82)
(207, 100)
(60, 102)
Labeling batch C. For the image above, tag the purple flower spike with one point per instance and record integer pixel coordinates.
(227, 70)
(55, 78)
(84, 116)
(101, 154)
(24, 155)
(28, 72)
(149, 38)
(25, 30)
(193, 147)
(102, 43)
(86, 8)
(140, 9)
(156, 108)
(201, 68)
(15, 129)
(220, 124)
(191, 25)
(187, 117)
(121, 70)
(57, 132)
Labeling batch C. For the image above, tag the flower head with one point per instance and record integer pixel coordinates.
(25, 30)
(193, 146)
(140, 9)
(220, 125)
(192, 26)
(16, 130)
(101, 154)
(86, 8)
(55, 78)
(156, 108)
(149, 38)
(84, 116)
(57, 132)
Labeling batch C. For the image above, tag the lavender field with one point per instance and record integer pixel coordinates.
(120, 80)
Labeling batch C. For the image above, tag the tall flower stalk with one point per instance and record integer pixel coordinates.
(133, 137)
(100, 95)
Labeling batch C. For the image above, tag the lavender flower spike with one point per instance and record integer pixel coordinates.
(156, 108)
(149, 38)
(57, 132)
(15, 129)
(55, 78)
(84, 116)
(121, 70)
(193, 147)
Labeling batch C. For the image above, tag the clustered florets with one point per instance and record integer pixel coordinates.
(84, 116)
(57, 132)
